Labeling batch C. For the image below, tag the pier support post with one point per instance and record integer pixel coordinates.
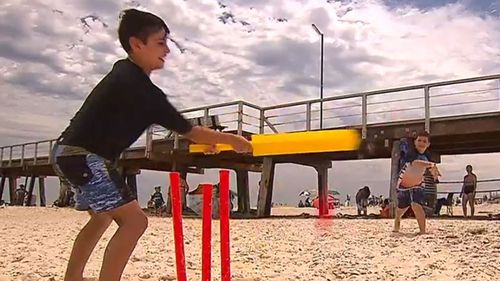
(131, 181)
(12, 189)
(322, 170)
(2, 184)
(64, 193)
(265, 199)
(41, 191)
(30, 191)
(395, 155)
(243, 191)
(184, 188)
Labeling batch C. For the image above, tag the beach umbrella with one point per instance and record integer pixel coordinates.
(305, 193)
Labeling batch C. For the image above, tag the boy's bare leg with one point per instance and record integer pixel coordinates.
(132, 223)
(84, 244)
(397, 218)
(465, 198)
(420, 216)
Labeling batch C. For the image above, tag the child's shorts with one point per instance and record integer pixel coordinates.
(411, 195)
(97, 184)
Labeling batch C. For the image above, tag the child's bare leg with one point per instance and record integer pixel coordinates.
(132, 223)
(420, 216)
(397, 218)
(84, 244)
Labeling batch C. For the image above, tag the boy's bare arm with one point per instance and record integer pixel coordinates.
(199, 134)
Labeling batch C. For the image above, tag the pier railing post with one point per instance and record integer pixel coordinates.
(10, 155)
(176, 140)
(51, 146)
(364, 115)
(240, 118)
(22, 154)
(427, 102)
(149, 141)
(262, 120)
(206, 114)
(36, 153)
(308, 116)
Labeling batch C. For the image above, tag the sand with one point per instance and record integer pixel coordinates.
(36, 242)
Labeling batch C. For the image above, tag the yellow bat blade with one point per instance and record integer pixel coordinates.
(306, 142)
(204, 148)
(295, 143)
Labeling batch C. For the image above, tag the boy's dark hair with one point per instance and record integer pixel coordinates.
(412, 151)
(424, 134)
(139, 24)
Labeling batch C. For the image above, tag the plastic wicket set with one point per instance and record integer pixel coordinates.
(206, 227)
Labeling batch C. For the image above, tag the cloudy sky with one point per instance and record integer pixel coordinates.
(265, 52)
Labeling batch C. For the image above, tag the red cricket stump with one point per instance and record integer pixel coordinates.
(206, 250)
(224, 225)
(175, 186)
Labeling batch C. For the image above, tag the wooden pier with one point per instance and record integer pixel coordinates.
(463, 117)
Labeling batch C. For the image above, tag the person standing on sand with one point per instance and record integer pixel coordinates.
(413, 195)
(115, 114)
(362, 200)
(20, 195)
(468, 192)
(157, 198)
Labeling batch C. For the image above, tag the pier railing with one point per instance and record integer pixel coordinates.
(454, 99)
(419, 102)
(35, 152)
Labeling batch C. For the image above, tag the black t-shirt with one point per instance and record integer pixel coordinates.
(118, 110)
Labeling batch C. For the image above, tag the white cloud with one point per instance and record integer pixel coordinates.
(52, 53)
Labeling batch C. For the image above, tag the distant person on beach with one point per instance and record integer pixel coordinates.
(385, 208)
(157, 198)
(115, 114)
(413, 195)
(20, 195)
(362, 200)
(468, 192)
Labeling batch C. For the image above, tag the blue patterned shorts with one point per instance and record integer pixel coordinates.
(412, 195)
(97, 184)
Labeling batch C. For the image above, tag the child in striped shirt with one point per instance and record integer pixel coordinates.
(410, 185)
